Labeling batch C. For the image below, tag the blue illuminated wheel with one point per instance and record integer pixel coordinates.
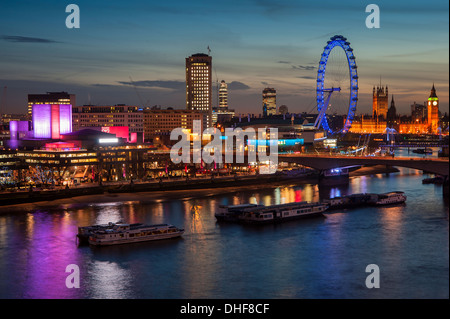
(325, 86)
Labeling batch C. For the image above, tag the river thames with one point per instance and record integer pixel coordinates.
(316, 258)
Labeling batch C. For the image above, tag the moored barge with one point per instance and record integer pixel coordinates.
(125, 234)
(260, 214)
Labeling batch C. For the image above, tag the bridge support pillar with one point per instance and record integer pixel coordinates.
(336, 176)
(445, 187)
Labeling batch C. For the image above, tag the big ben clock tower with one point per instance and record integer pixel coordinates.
(433, 111)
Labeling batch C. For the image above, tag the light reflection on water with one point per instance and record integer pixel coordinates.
(318, 258)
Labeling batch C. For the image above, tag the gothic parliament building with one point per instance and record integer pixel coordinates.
(424, 118)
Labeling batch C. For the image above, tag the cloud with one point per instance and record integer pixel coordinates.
(174, 85)
(306, 77)
(16, 38)
(303, 67)
(104, 85)
(236, 85)
(284, 62)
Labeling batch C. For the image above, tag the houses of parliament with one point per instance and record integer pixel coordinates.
(424, 118)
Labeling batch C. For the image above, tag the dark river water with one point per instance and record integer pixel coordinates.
(315, 258)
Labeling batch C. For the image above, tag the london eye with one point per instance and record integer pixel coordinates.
(336, 75)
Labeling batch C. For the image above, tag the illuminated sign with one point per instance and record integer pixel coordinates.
(119, 131)
(108, 140)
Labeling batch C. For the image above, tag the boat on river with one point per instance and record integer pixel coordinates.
(261, 214)
(351, 201)
(85, 231)
(132, 233)
(391, 198)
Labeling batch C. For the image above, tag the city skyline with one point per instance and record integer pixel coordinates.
(134, 54)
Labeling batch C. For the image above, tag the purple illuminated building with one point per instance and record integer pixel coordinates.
(19, 130)
(51, 120)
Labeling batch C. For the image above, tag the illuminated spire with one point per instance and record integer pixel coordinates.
(433, 91)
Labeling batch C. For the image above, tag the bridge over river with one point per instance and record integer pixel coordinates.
(439, 166)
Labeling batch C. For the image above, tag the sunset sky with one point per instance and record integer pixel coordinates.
(254, 44)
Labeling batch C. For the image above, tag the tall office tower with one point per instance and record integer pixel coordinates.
(269, 102)
(223, 96)
(53, 98)
(380, 102)
(199, 86)
(433, 111)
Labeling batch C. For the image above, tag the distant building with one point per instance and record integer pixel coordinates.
(269, 97)
(223, 96)
(222, 113)
(49, 98)
(6, 118)
(199, 86)
(424, 117)
(89, 116)
(283, 110)
(433, 111)
(392, 115)
(380, 102)
(158, 124)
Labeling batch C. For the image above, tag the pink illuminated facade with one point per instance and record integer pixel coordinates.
(120, 131)
(51, 120)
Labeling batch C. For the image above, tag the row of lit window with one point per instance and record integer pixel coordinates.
(77, 154)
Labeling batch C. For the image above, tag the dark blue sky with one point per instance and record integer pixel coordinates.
(254, 44)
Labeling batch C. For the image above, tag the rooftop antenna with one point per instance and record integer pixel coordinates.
(137, 93)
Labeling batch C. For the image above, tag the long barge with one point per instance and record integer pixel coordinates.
(260, 214)
(365, 199)
(125, 234)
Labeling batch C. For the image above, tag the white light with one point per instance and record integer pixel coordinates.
(108, 140)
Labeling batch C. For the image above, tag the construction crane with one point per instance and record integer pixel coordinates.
(137, 93)
(3, 104)
(217, 81)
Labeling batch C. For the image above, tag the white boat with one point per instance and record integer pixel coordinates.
(125, 234)
(85, 231)
(391, 198)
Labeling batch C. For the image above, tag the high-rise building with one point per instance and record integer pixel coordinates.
(223, 96)
(199, 86)
(269, 102)
(380, 102)
(52, 98)
(433, 111)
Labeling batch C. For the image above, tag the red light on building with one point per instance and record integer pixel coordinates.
(61, 146)
(119, 131)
